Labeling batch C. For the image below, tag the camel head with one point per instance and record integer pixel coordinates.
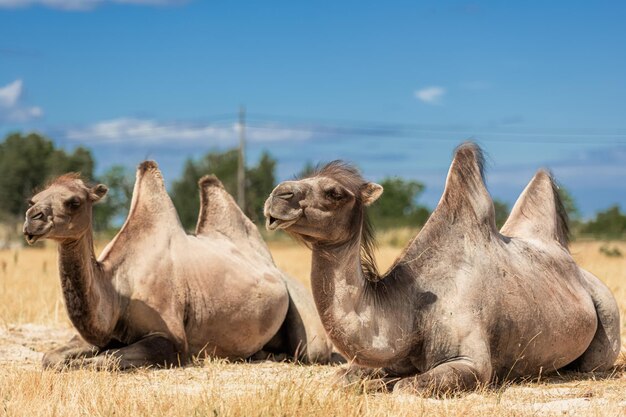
(62, 211)
(326, 208)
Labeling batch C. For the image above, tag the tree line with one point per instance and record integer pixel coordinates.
(28, 161)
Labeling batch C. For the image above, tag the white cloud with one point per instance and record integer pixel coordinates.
(9, 94)
(81, 4)
(151, 131)
(10, 106)
(431, 95)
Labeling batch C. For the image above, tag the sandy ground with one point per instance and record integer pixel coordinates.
(22, 347)
(33, 320)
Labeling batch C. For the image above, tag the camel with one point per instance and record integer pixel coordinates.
(158, 296)
(464, 305)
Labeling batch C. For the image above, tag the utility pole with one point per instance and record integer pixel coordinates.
(241, 167)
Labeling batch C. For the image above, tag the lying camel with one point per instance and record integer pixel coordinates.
(463, 305)
(157, 296)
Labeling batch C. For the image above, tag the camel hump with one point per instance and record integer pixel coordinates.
(151, 204)
(539, 212)
(151, 208)
(465, 197)
(210, 181)
(148, 166)
(220, 213)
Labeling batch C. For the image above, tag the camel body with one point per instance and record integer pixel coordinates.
(158, 296)
(465, 304)
(202, 309)
(478, 309)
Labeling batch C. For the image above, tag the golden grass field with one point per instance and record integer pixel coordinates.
(33, 319)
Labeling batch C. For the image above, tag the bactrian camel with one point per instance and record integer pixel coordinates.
(158, 296)
(464, 305)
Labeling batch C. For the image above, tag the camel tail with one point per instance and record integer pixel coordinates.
(539, 212)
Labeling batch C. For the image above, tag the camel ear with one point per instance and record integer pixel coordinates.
(370, 192)
(97, 192)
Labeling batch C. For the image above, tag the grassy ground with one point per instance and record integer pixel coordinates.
(33, 319)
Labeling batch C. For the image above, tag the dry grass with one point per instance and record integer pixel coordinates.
(33, 319)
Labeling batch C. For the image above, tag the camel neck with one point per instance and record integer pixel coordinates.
(362, 315)
(87, 290)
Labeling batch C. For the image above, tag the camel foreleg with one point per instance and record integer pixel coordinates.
(153, 350)
(75, 350)
(457, 375)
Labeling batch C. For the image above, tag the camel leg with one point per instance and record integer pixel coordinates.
(301, 336)
(76, 348)
(605, 346)
(152, 350)
(457, 375)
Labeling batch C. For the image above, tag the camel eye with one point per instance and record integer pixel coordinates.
(334, 194)
(72, 203)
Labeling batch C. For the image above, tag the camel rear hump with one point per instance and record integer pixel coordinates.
(220, 213)
(539, 212)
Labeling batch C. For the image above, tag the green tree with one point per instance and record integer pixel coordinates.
(27, 162)
(569, 204)
(502, 212)
(185, 194)
(259, 183)
(306, 170)
(110, 212)
(398, 206)
(610, 224)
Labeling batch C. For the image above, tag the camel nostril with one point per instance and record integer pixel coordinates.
(37, 216)
(285, 196)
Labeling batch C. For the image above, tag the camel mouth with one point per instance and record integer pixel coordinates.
(274, 223)
(33, 236)
(31, 239)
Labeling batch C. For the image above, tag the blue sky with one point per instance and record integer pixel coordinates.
(393, 87)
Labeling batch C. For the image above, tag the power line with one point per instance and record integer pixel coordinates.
(415, 132)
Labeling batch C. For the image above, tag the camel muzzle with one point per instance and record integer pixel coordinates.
(37, 224)
(279, 214)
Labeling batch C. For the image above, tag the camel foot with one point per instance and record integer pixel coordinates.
(412, 386)
(362, 379)
(75, 351)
